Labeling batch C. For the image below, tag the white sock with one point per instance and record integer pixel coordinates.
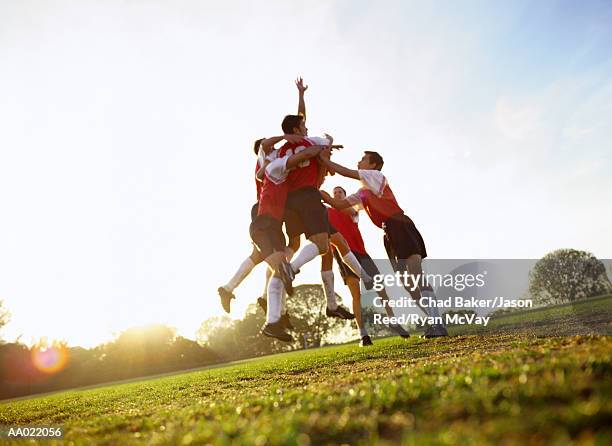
(363, 332)
(351, 261)
(327, 277)
(431, 310)
(243, 270)
(308, 253)
(275, 291)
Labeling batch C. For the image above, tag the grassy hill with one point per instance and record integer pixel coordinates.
(494, 389)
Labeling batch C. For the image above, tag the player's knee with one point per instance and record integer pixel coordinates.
(323, 247)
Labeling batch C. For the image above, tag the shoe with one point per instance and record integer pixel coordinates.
(368, 284)
(263, 303)
(285, 320)
(276, 330)
(365, 341)
(226, 298)
(399, 330)
(434, 331)
(286, 276)
(340, 313)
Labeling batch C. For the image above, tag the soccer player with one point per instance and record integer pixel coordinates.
(403, 242)
(226, 292)
(345, 221)
(265, 151)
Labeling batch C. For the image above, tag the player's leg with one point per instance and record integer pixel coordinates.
(268, 236)
(274, 327)
(306, 204)
(349, 258)
(371, 269)
(333, 309)
(352, 282)
(415, 268)
(226, 292)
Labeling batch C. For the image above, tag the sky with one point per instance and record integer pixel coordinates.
(126, 133)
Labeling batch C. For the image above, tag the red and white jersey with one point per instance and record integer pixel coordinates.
(275, 189)
(261, 159)
(347, 226)
(375, 197)
(306, 174)
(272, 199)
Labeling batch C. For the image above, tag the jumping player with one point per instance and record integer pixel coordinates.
(226, 292)
(345, 221)
(403, 242)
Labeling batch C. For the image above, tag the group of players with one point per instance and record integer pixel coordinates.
(288, 181)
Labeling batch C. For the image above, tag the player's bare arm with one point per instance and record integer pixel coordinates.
(262, 171)
(299, 83)
(307, 153)
(344, 171)
(269, 143)
(342, 203)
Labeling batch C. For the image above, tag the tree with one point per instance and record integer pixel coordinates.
(242, 338)
(307, 310)
(567, 275)
(5, 316)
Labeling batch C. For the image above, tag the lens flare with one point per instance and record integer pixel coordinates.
(50, 359)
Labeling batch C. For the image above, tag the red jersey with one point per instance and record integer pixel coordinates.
(306, 174)
(272, 199)
(379, 209)
(349, 229)
(376, 197)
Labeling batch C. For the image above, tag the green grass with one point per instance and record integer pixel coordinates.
(498, 389)
(582, 317)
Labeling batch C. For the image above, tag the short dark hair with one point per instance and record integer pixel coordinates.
(341, 188)
(290, 122)
(375, 159)
(257, 145)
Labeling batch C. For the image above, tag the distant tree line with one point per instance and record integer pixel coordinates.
(134, 353)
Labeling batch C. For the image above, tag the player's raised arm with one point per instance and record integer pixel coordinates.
(338, 203)
(299, 83)
(344, 171)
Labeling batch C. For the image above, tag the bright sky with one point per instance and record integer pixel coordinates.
(126, 131)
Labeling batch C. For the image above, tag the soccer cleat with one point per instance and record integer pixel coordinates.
(399, 330)
(277, 331)
(226, 298)
(285, 320)
(286, 276)
(434, 331)
(365, 341)
(263, 303)
(340, 313)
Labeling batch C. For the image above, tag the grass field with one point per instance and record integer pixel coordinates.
(499, 389)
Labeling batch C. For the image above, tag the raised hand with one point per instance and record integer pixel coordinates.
(299, 83)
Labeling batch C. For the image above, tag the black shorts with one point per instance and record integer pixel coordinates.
(365, 261)
(294, 227)
(254, 211)
(267, 234)
(304, 213)
(402, 239)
